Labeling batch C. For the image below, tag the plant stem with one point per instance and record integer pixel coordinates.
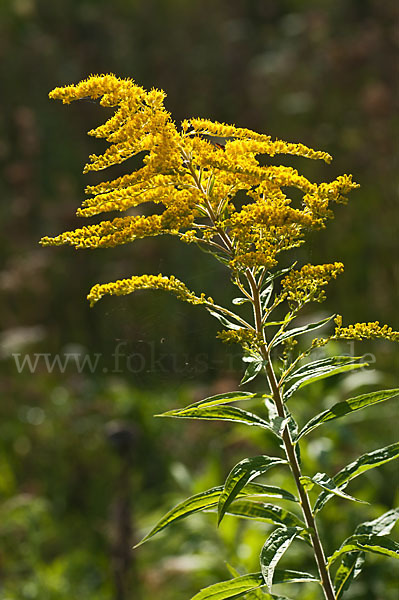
(288, 444)
(290, 450)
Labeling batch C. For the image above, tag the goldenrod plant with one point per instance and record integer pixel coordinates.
(215, 193)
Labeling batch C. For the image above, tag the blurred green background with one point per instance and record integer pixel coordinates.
(84, 468)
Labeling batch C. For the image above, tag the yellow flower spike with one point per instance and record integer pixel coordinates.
(360, 331)
(238, 336)
(193, 179)
(306, 284)
(145, 282)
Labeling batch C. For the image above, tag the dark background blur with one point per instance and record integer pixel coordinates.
(81, 452)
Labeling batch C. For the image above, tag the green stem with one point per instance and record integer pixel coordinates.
(290, 450)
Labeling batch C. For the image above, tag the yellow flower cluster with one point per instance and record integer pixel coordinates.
(145, 282)
(194, 180)
(237, 336)
(266, 227)
(306, 284)
(360, 331)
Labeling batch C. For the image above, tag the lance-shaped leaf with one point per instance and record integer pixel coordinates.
(269, 491)
(196, 503)
(272, 276)
(218, 413)
(312, 367)
(266, 294)
(261, 511)
(253, 369)
(378, 544)
(244, 472)
(367, 461)
(209, 499)
(352, 562)
(226, 398)
(274, 548)
(347, 406)
(300, 330)
(322, 372)
(280, 576)
(350, 567)
(245, 585)
(233, 588)
(328, 484)
(226, 322)
(240, 300)
(288, 576)
(380, 526)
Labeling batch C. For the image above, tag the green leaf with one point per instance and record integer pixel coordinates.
(365, 462)
(352, 562)
(266, 294)
(325, 482)
(241, 474)
(252, 371)
(278, 424)
(272, 276)
(239, 301)
(233, 588)
(249, 586)
(348, 570)
(300, 330)
(197, 503)
(378, 544)
(274, 548)
(218, 413)
(380, 526)
(321, 372)
(268, 513)
(288, 576)
(225, 322)
(270, 491)
(209, 499)
(226, 399)
(347, 406)
(311, 367)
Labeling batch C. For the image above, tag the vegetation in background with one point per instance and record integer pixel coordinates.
(273, 66)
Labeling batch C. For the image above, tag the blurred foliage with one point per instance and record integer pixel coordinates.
(323, 73)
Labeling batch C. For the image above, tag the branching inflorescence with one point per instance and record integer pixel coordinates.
(195, 173)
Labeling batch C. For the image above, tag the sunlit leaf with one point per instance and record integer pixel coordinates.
(233, 588)
(269, 491)
(239, 301)
(380, 526)
(350, 567)
(218, 413)
(275, 546)
(209, 499)
(288, 576)
(378, 544)
(321, 372)
(268, 513)
(250, 586)
(280, 576)
(191, 505)
(225, 322)
(253, 369)
(300, 330)
(244, 472)
(325, 482)
(367, 461)
(266, 294)
(352, 562)
(347, 406)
